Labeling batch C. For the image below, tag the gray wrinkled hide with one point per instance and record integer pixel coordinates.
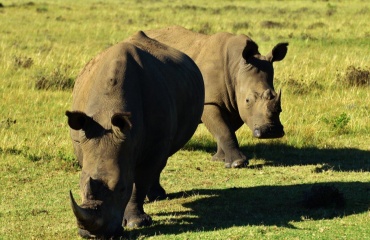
(134, 105)
(238, 83)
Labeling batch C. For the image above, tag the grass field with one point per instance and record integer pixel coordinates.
(325, 80)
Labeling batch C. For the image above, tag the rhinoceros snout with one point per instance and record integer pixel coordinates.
(88, 235)
(268, 132)
(91, 223)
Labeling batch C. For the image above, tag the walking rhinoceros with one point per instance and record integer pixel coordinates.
(238, 83)
(134, 105)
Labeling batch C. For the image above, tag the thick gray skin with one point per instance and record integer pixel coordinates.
(238, 83)
(134, 105)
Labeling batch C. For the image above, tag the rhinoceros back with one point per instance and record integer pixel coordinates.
(178, 88)
(161, 87)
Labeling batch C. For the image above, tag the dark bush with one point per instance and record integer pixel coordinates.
(357, 76)
(56, 80)
(299, 87)
(240, 25)
(271, 24)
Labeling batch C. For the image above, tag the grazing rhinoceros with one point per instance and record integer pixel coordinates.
(134, 105)
(238, 83)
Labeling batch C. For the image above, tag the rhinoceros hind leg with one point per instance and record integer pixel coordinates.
(156, 192)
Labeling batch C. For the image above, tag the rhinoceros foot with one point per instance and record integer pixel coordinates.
(239, 163)
(156, 193)
(218, 157)
(138, 221)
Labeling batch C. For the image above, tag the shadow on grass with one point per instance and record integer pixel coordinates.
(275, 154)
(279, 206)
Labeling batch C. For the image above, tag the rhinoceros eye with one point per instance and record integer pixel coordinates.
(249, 100)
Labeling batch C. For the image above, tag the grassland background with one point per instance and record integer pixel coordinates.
(44, 44)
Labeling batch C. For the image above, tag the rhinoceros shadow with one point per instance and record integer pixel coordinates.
(276, 154)
(278, 206)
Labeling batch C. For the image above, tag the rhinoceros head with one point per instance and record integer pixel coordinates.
(106, 180)
(258, 103)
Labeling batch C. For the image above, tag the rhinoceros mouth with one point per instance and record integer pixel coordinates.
(88, 235)
(268, 132)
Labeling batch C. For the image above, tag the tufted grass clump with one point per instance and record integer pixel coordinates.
(240, 25)
(338, 123)
(58, 79)
(271, 24)
(23, 62)
(299, 87)
(357, 76)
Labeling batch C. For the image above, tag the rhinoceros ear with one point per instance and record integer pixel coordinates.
(278, 52)
(251, 48)
(121, 120)
(76, 119)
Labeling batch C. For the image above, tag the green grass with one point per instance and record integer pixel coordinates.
(325, 84)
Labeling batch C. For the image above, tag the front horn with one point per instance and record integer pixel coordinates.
(86, 218)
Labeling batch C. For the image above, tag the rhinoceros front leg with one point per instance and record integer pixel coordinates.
(134, 213)
(227, 144)
(147, 177)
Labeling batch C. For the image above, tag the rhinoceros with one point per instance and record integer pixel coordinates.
(238, 83)
(134, 105)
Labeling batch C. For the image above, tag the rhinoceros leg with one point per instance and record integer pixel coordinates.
(146, 175)
(220, 155)
(134, 213)
(221, 128)
(156, 191)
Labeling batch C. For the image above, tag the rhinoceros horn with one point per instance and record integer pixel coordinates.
(278, 97)
(88, 218)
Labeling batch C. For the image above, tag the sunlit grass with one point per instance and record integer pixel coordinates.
(326, 121)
